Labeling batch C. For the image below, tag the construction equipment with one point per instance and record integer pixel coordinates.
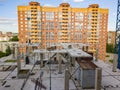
(117, 41)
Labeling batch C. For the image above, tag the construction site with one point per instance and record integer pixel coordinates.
(71, 67)
(61, 48)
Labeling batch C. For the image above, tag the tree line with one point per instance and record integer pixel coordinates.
(6, 53)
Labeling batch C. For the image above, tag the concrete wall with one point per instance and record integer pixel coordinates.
(85, 77)
(88, 79)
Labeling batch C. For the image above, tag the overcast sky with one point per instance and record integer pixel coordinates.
(8, 10)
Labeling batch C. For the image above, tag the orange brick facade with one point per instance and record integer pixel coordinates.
(50, 25)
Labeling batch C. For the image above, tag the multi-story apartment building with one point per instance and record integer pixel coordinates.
(5, 36)
(111, 37)
(48, 25)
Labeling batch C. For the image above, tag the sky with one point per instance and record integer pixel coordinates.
(8, 10)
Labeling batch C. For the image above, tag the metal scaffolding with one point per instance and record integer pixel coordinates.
(117, 40)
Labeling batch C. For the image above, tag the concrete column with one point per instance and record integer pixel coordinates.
(59, 63)
(73, 61)
(28, 50)
(34, 57)
(67, 66)
(66, 80)
(115, 63)
(13, 52)
(24, 57)
(41, 60)
(98, 78)
(68, 63)
(18, 59)
(16, 53)
(18, 64)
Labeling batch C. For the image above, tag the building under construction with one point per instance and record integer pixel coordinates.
(74, 61)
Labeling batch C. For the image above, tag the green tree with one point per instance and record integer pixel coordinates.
(109, 48)
(14, 38)
(2, 54)
(8, 51)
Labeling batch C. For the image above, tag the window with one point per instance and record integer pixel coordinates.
(21, 25)
(79, 16)
(21, 15)
(49, 15)
(21, 18)
(29, 25)
(25, 15)
(28, 15)
(25, 25)
(21, 12)
(49, 36)
(78, 26)
(89, 16)
(29, 12)
(55, 16)
(99, 16)
(69, 26)
(97, 34)
(39, 26)
(59, 26)
(49, 25)
(89, 26)
(98, 26)
(21, 29)
(26, 18)
(80, 35)
(25, 22)
(21, 22)
(88, 34)
(39, 15)
(60, 16)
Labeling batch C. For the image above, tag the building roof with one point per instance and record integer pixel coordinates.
(78, 53)
(46, 51)
(94, 6)
(34, 3)
(72, 52)
(65, 4)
